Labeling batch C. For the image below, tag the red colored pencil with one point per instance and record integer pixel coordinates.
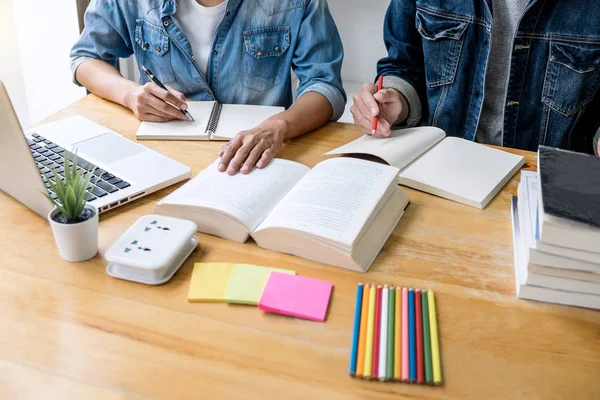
(375, 367)
(376, 118)
(419, 334)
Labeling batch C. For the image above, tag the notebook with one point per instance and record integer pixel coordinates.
(296, 296)
(247, 282)
(569, 206)
(213, 120)
(449, 167)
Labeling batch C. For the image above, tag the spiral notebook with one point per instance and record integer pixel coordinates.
(213, 120)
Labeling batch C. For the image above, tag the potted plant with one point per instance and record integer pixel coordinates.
(74, 222)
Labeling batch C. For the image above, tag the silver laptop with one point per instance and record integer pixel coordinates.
(125, 170)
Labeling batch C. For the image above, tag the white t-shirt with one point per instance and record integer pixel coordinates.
(199, 25)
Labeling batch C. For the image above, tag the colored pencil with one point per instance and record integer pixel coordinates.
(376, 333)
(435, 346)
(376, 118)
(405, 334)
(370, 329)
(389, 373)
(419, 335)
(356, 330)
(412, 344)
(398, 335)
(360, 360)
(383, 335)
(426, 339)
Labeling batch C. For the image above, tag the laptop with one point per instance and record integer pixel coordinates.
(124, 170)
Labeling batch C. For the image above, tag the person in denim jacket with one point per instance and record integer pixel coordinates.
(514, 73)
(253, 48)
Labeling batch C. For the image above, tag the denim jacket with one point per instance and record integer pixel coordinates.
(437, 57)
(256, 46)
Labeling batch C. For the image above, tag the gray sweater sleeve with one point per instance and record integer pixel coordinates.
(596, 140)
(411, 95)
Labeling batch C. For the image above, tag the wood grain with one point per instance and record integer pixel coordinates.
(69, 331)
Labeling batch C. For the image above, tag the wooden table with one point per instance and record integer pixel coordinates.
(69, 331)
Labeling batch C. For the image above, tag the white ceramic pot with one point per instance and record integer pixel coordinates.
(76, 242)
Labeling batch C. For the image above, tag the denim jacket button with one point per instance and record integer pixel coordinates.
(146, 45)
(166, 23)
(258, 53)
(277, 50)
(158, 49)
(228, 13)
(215, 53)
(246, 34)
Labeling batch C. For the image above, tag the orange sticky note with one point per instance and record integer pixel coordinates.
(296, 296)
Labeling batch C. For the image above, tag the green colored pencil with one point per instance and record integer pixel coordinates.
(390, 337)
(427, 339)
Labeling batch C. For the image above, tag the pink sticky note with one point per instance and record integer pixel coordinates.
(297, 296)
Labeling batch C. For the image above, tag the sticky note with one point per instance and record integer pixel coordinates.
(247, 283)
(209, 281)
(296, 296)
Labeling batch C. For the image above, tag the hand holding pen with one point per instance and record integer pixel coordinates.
(377, 109)
(154, 102)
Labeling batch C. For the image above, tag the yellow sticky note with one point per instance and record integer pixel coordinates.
(247, 283)
(209, 281)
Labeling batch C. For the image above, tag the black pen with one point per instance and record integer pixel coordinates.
(158, 83)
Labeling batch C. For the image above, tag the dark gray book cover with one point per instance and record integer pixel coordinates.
(570, 185)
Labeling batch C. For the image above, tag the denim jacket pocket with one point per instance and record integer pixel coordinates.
(572, 76)
(153, 50)
(442, 46)
(263, 65)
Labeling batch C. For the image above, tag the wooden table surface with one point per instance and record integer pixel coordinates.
(70, 331)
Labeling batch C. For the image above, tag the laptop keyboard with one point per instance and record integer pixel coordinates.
(49, 155)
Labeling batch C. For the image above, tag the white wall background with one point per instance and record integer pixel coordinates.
(36, 37)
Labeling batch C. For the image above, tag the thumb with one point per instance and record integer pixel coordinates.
(387, 96)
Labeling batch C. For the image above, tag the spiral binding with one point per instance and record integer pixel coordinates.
(215, 115)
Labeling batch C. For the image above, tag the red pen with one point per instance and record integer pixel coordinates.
(376, 118)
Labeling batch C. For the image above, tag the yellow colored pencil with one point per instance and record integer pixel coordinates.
(435, 345)
(360, 360)
(370, 331)
(398, 335)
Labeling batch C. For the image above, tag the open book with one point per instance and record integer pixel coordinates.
(449, 167)
(212, 121)
(340, 213)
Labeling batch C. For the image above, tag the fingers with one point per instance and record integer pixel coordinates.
(180, 96)
(229, 151)
(163, 109)
(165, 95)
(387, 96)
(370, 103)
(266, 157)
(384, 128)
(252, 158)
(240, 156)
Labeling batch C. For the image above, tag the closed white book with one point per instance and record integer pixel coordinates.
(341, 212)
(212, 121)
(556, 290)
(449, 167)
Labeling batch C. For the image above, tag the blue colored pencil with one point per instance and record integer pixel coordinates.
(412, 344)
(356, 331)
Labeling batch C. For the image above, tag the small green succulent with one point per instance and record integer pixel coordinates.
(71, 192)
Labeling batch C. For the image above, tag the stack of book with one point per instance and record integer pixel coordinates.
(556, 230)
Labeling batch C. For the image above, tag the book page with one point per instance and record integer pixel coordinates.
(247, 197)
(334, 200)
(462, 171)
(399, 150)
(199, 110)
(241, 117)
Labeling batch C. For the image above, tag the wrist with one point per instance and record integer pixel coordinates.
(128, 94)
(280, 126)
